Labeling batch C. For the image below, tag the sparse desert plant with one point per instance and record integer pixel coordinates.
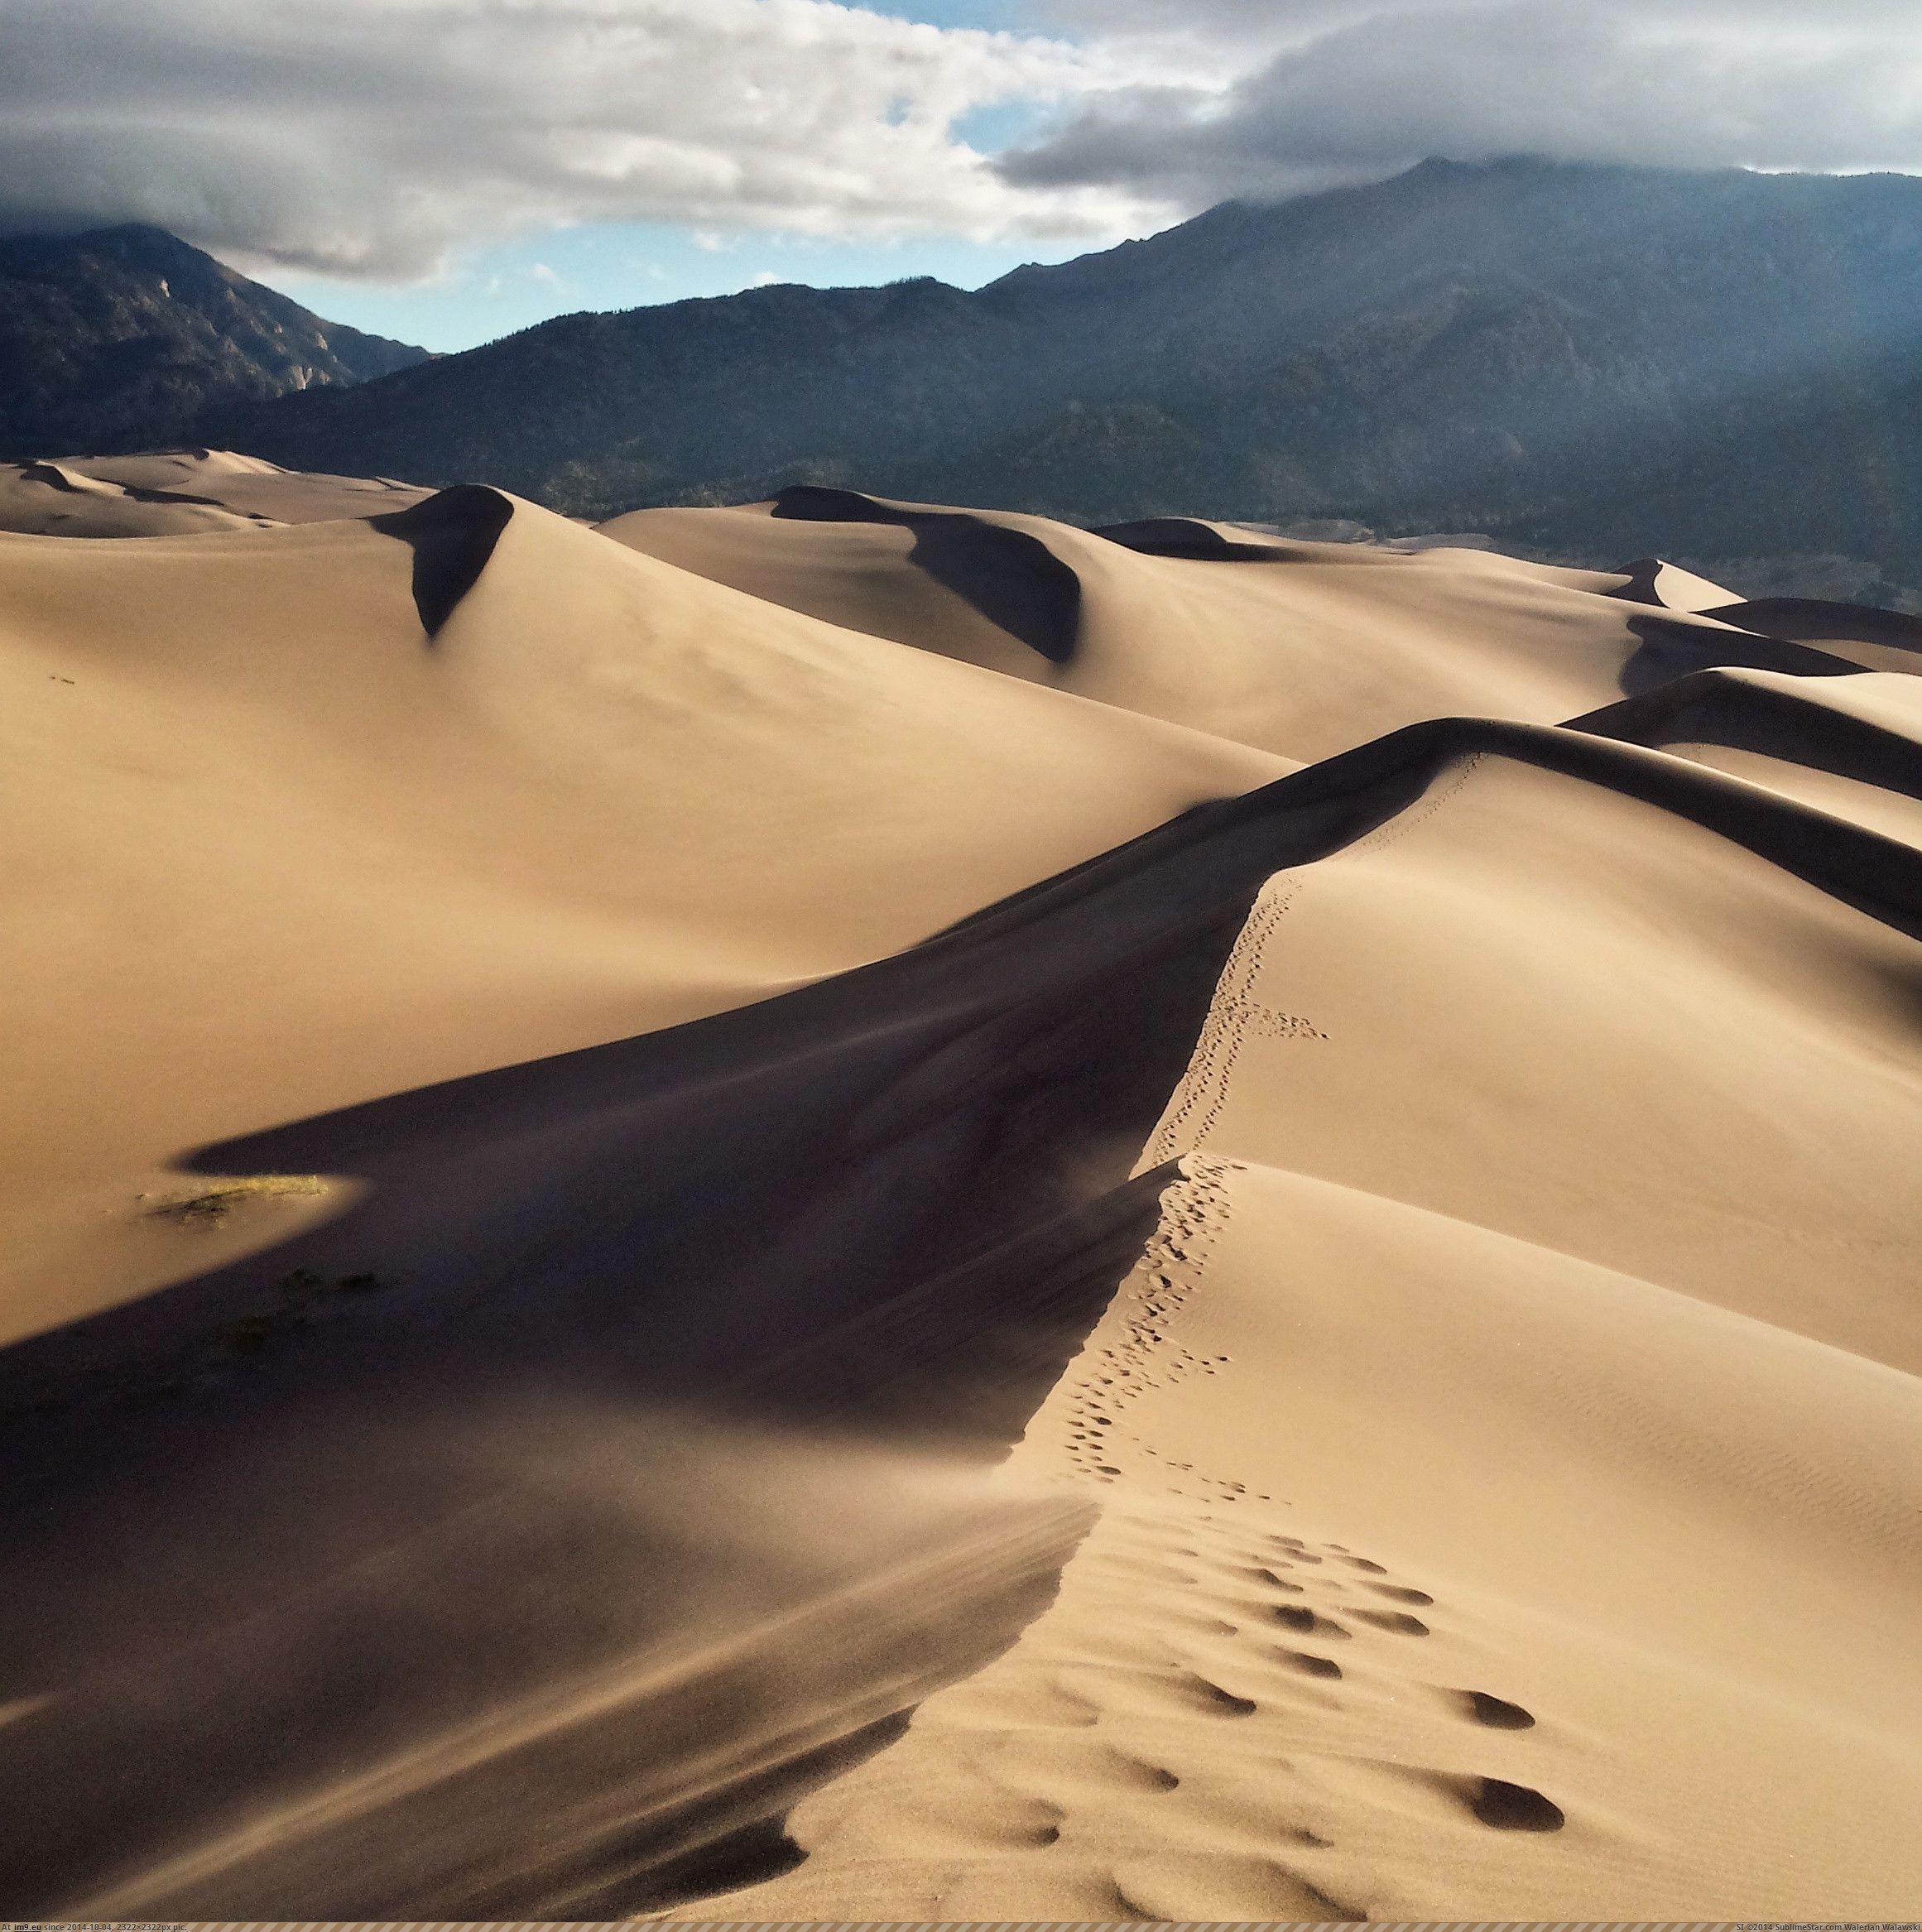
(216, 1203)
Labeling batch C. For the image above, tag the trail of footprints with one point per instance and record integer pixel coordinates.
(1218, 1721)
(1194, 1213)
(1235, 1011)
(1219, 1718)
(1286, 1588)
(1309, 1612)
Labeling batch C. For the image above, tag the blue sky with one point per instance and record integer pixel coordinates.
(482, 293)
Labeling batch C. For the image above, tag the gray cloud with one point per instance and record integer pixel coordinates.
(370, 135)
(1344, 90)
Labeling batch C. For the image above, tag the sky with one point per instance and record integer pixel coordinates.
(448, 171)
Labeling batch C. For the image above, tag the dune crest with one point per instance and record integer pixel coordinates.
(1297, 648)
(853, 1210)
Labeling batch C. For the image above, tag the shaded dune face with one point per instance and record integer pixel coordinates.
(1852, 747)
(886, 1207)
(902, 1271)
(1012, 578)
(1807, 620)
(452, 535)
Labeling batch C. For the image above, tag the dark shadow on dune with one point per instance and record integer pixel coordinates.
(1807, 620)
(1012, 579)
(52, 474)
(624, 1493)
(1709, 708)
(1188, 537)
(253, 1534)
(1672, 648)
(452, 534)
(1642, 573)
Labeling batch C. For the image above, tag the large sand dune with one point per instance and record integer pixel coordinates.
(849, 1210)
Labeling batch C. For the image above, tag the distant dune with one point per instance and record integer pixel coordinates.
(847, 1209)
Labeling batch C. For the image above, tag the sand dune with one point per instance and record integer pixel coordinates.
(1850, 746)
(179, 492)
(606, 796)
(1877, 640)
(1655, 580)
(1303, 649)
(851, 1210)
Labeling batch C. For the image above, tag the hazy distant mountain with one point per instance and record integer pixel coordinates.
(1605, 359)
(1596, 360)
(122, 338)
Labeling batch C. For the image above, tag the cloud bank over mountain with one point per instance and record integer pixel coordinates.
(1352, 89)
(372, 136)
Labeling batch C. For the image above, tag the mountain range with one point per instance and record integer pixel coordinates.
(1588, 361)
(124, 338)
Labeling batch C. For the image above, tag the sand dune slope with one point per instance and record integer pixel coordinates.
(1436, 1574)
(770, 1221)
(811, 1261)
(179, 492)
(1505, 1448)
(1306, 649)
(1849, 746)
(271, 848)
(1877, 640)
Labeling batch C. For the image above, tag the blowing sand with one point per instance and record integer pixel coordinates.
(855, 1211)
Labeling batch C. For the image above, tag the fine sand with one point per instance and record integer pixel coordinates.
(853, 1211)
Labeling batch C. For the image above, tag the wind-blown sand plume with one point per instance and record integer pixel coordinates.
(616, 1397)
(1304, 649)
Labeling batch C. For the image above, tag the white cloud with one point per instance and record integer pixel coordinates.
(371, 135)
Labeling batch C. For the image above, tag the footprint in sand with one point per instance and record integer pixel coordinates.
(1312, 1665)
(1493, 1802)
(1400, 1594)
(1496, 1713)
(1197, 1692)
(1504, 1807)
(1298, 1617)
(1398, 1621)
(1259, 1574)
(1224, 1886)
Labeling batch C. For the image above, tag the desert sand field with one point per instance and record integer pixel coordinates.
(848, 1210)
